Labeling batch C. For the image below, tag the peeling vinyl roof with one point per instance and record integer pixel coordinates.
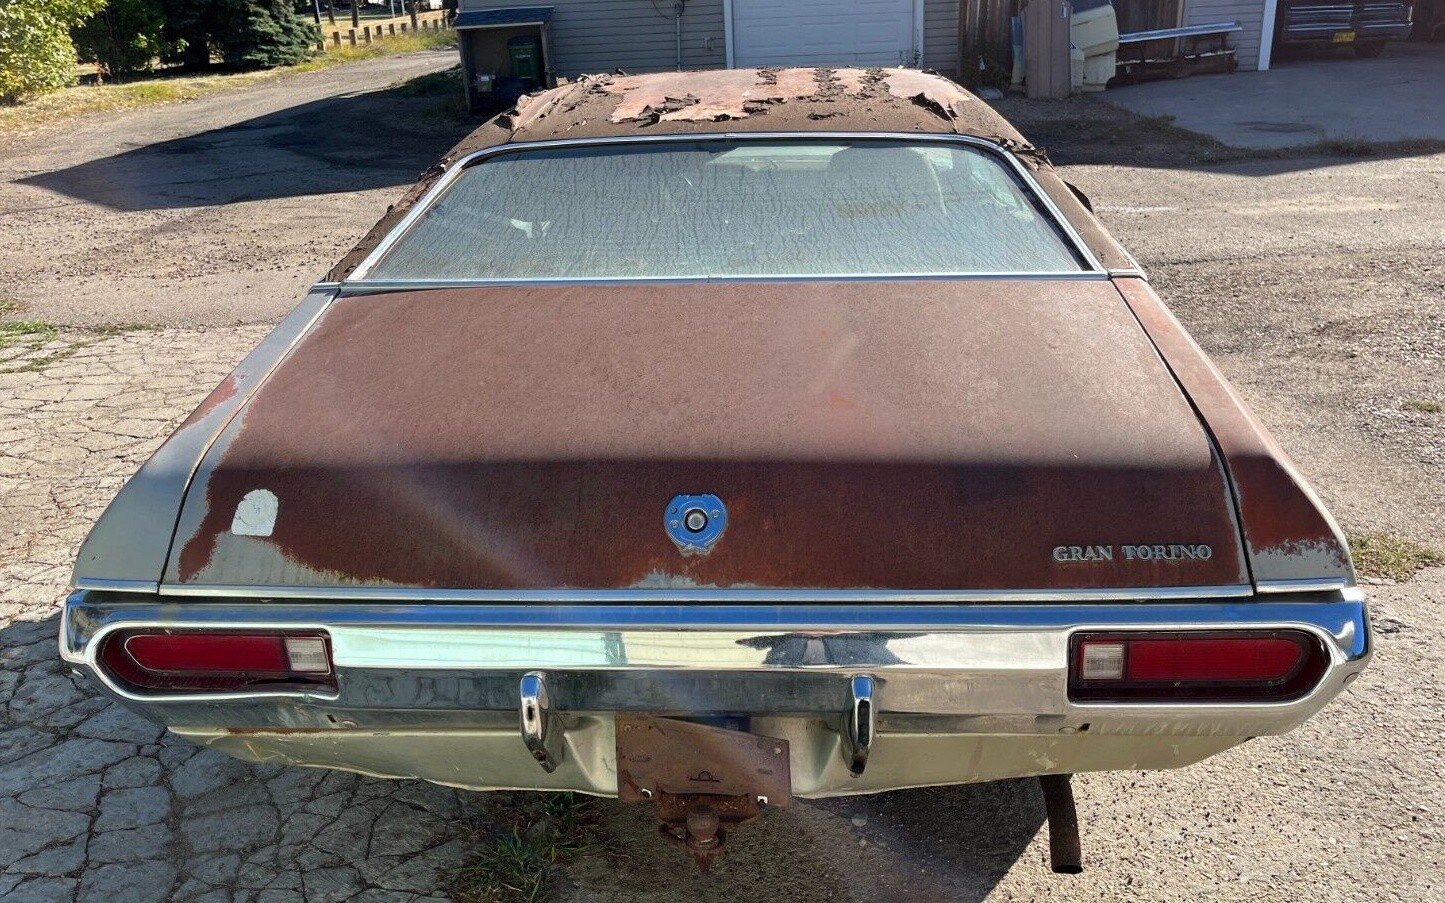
(751, 100)
(894, 100)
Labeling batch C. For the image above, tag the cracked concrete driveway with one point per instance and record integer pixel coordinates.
(1328, 320)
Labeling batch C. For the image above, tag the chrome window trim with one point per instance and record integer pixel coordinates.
(149, 587)
(379, 286)
(1303, 585)
(782, 596)
(1093, 268)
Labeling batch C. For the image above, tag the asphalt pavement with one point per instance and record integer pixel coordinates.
(1307, 96)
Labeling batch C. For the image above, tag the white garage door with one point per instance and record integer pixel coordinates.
(823, 33)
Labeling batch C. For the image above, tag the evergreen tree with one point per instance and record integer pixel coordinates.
(124, 37)
(262, 34)
(245, 34)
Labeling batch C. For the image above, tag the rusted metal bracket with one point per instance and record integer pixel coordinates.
(704, 780)
(541, 728)
(858, 726)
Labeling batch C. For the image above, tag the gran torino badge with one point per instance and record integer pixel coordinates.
(1163, 552)
(695, 522)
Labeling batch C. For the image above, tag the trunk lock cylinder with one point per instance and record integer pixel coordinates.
(695, 522)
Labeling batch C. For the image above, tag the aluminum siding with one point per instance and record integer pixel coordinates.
(940, 36)
(592, 36)
(1248, 13)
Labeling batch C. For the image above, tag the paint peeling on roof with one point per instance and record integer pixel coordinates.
(710, 96)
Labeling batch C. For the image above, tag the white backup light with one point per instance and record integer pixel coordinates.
(1102, 661)
(307, 655)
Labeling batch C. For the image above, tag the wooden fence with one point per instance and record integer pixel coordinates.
(380, 31)
(985, 37)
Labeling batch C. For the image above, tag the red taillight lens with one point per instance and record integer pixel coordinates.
(196, 661)
(1252, 658)
(1218, 666)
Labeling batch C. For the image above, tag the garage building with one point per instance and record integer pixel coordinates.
(568, 38)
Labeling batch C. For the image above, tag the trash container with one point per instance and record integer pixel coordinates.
(525, 52)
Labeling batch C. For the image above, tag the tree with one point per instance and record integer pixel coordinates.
(247, 34)
(36, 54)
(124, 37)
(267, 33)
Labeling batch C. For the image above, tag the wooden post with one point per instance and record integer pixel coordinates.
(366, 34)
(351, 36)
(331, 11)
(411, 7)
(391, 29)
(1046, 48)
(336, 39)
(355, 13)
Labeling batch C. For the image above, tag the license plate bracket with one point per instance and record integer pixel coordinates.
(702, 779)
(666, 755)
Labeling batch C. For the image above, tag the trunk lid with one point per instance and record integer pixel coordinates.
(930, 435)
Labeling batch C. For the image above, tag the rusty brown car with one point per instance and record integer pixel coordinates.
(718, 439)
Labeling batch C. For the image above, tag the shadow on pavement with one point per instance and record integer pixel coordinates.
(349, 142)
(962, 840)
(68, 753)
(946, 843)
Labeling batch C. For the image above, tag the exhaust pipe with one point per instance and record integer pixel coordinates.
(1065, 853)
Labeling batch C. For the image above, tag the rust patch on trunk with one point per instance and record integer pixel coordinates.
(1288, 532)
(219, 396)
(942, 435)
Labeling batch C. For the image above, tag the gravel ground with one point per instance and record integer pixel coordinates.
(1315, 283)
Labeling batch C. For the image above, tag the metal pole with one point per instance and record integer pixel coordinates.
(677, 27)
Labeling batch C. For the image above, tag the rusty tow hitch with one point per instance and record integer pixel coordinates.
(703, 780)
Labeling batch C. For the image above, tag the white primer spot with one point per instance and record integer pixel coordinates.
(256, 515)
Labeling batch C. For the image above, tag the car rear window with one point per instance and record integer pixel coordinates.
(727, 208)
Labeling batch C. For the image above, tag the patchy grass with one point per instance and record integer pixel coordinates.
(1390, 556)
(18, 337)
(33, 333)
(1421, 406)
(450, 101)
(166, 88)
(23, 341)
(411, 42)
(519, 851)
(1358, 148)
(446, 81)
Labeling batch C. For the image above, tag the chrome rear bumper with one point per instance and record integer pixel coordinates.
(963, 693)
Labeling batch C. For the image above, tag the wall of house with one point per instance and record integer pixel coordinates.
(590, 36)
(940, 35)
(594, 36)
(1248, 13)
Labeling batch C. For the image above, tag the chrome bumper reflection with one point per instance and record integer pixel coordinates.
(958, 693)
